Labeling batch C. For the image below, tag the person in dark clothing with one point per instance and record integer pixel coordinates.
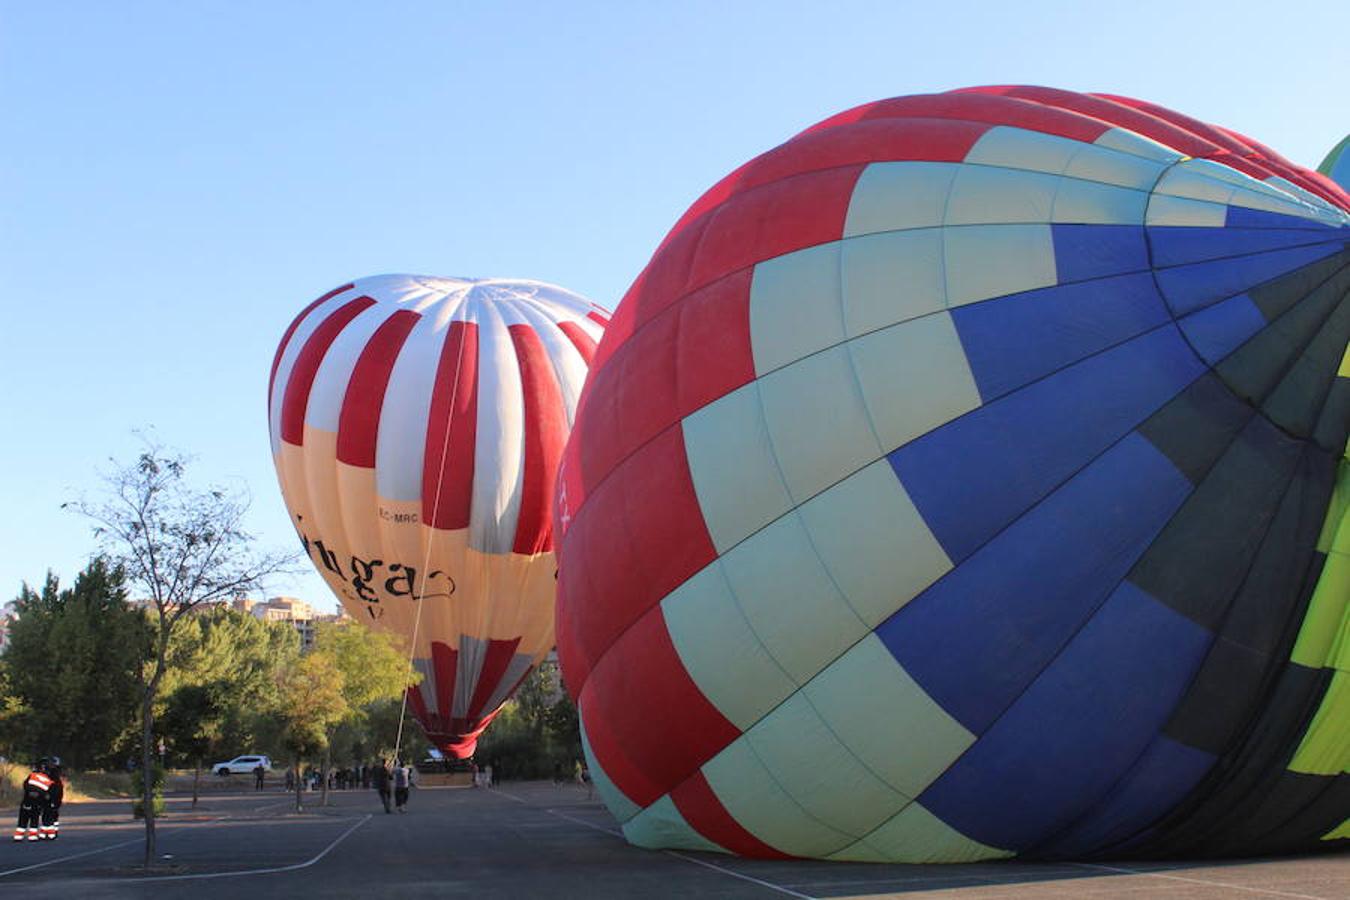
(36, 794)
(402, 781)
(380, 777)
(51, 813)
(259, 777)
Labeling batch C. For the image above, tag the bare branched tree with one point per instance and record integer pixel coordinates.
(183, 548)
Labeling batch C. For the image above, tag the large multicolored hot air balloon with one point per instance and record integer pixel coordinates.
(416, 427)
(960, 480)
(1337, 164)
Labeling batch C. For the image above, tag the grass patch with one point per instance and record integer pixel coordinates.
(11, 785)
(83, 786)
(11, 782)
(97, 786)
(80, 786)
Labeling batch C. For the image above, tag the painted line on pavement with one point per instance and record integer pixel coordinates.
(137, 840)
(1120, 870)
(591, 825)
(941, 882)
(698, 862)
(991, 882)
(734, 874)
(52, 862)
(291, 868)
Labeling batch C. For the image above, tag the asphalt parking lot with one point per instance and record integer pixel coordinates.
(537, 840)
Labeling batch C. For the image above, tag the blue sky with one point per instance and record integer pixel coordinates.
(177, 180)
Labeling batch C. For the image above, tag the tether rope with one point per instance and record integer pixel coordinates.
(431, 538)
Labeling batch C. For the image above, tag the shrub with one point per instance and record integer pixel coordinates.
(138, 792)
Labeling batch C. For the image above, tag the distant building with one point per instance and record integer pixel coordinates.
(552, 676)
(300, 614)
(303, 616)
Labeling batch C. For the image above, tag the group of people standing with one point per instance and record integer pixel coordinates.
(44, 789)
(399, 777)
(40, 809)
(385, 778)
(487, 776)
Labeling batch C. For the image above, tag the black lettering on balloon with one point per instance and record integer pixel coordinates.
(399, 517)
(401, 580)
(328, 558)
(362, 574)
(364, 579)
(403, 583)
(445, 587)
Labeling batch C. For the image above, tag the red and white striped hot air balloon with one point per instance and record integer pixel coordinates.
(416, 426)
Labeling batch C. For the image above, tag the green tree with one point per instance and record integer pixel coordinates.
(181, 548)
(12, 716)
(224, 645)
(228, 663)
(74, 662)
(193, 720)
(373, 735)
(310, 705)
(372, 669)
(536, 733)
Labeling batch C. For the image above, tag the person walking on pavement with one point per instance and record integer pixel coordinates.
(259, 777)
(51, 812)
(380, 778)
(36, 792)
(402, 778)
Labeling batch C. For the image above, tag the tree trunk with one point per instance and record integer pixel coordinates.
(147, 751)
(299, 784)
(196, 780)
(323, 774)
(147, 769)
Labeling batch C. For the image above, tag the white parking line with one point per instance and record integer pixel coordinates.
(511, 796)
(591, 825)
(1204, 881)
(942, 882)
(768, 884)
(698, 862)
(52, 862)
(291, 868)
(104, 849)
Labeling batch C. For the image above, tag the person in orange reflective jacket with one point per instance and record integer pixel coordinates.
(51, 812)
(37, 788)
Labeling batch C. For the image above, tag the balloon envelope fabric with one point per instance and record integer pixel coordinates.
(1337, 164)
(959, 480)
(416, 426)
